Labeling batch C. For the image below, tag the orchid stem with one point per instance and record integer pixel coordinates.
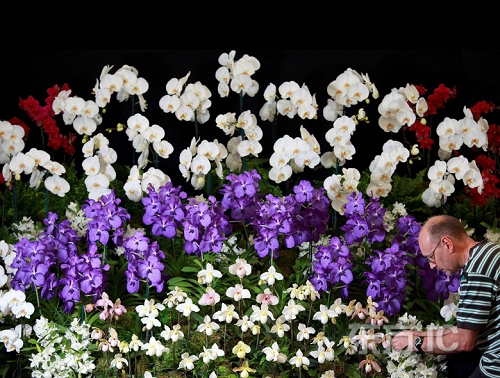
(14, 191)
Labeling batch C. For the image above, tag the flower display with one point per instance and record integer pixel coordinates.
(272, 263)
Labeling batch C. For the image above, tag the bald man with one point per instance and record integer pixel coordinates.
(446, 245)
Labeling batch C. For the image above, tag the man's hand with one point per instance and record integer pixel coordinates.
(404, 340)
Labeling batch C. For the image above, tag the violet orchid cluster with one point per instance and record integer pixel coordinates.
(363, 220)
(52, 263)
(312, 214)
(272, 218)
(332, 265)
(299, 217)
(206, 226)
(388, 277)
(164, 209)
(107, 219)
(144, 262)
(240, 196)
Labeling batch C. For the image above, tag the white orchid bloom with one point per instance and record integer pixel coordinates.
(255, 133)
(154, 347)
(234, 162)
(133, 190)
(7, 173)
(223, 76)
(437, 171)
(447, 128)
(163, 148)
(279, 160)
(249, 147)
(223, 89)
(377, 190)
(174, 86)
(153, 177)
(136, 123)
(191, 100)
(399, 154)
(271, 276)
(54, 168)
(332, 184)
(284, 145)
(332, 110)
(449, 311)
(475, 137)
(187, 307)
(241, 83)
(356, 93)
(169, 103)
(153, 133)
(227, 123)
(307, 158)
(137, 87)
(473, 179)
(329, 160)
(97, 183)
(22, 163)
(421, 107)
(40, 156)
(344, 152)
(111, 82)
(299, 359)
(280, 173)
(36, 178)
(74, 105)
(185, 113)
(453, 143)
(286, 108)
(210, 150)
(91, 165)
(200, 165)
(57, 185)
(207, 275)
(443, 187)
(458, 166)
(84, 125)
(411, 93)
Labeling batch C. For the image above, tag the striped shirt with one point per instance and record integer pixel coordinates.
(479, 303)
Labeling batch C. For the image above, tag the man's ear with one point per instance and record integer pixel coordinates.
(447, 243)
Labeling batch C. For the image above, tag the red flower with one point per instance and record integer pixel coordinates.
(426, 143)
(438, 99)
(494, 138)
(486, 163)
(421, 89)
(43, 116)
(30, 106)
(482, 107)
(421, 130)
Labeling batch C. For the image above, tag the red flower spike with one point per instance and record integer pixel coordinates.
(43, 117)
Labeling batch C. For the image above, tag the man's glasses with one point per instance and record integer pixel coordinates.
(431, 255)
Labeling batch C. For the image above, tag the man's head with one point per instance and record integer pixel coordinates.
(444, 242)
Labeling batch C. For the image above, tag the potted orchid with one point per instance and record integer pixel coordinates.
(252, 269)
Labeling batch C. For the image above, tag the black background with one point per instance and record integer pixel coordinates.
(31, 72)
